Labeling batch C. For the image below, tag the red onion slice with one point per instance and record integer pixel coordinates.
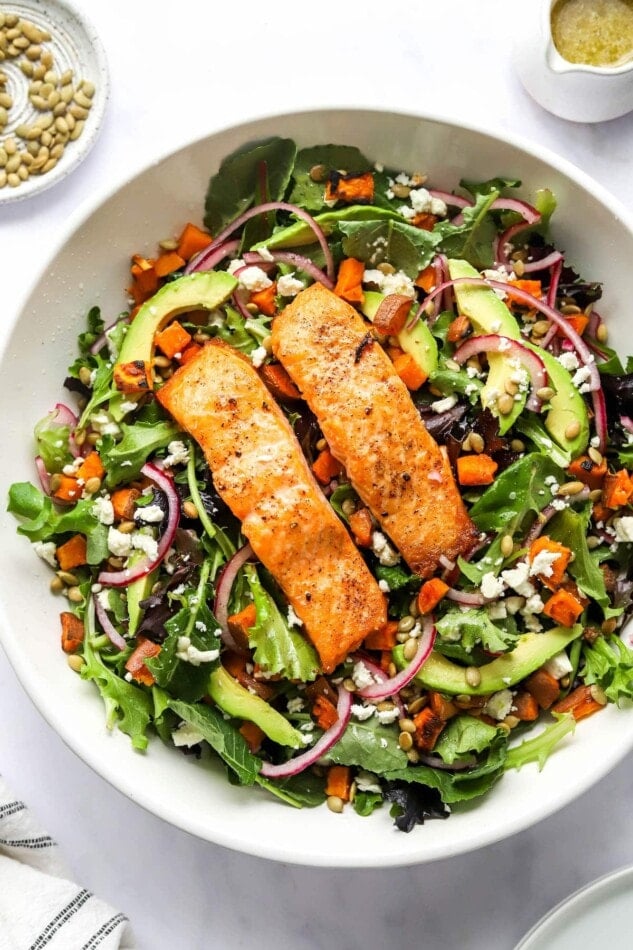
(107, 626)
(327, 740)
(221, 252)
(380, 676)
(223, 588)
(468, 599)
(505, 240)
(44, 477)
(494, 343)
(552, 290)
(454, 201)
(296, 260)
(527, 211)
(529, 267)
(146, 564)
(199, 263)
(627, 423)
(390, 687)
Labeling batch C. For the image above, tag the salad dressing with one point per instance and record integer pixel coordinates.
(593, 32)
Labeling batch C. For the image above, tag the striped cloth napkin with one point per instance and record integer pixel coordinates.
(41, 908)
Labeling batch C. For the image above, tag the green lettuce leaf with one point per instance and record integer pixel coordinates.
(125, 458)
(127, 706)
(42, 522)
(462, 736)
(474, 627)
(369, 745)
(406, 247)
(516, 491)
(541, 747)
(233, 189)
(300, 234)
(570, 527)
(305, 790)
(279, 648)
(310, 194)
(609, 663)
(243, 335)
(221, 735)
(473, 239)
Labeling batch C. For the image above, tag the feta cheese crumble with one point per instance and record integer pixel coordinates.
(387, 555)
(186, 651)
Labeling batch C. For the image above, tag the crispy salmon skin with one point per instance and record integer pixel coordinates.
(373, 428)
(261, 473)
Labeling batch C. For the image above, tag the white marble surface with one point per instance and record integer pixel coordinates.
(178, 71)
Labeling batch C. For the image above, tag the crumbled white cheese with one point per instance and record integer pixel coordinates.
(559, 666)
(254, 279)
(103, 423)
(514, 604)
(289, 286)
(580, 378)
(383, 585)
(397, 283)
(235, 265)
(543, 563)
(103, 510)
(186, 735)
(258, 356)
(265, 254)
(533, 605)
(387, 555)
(387, 716)
(130, 405)
(46, 550)
(145, 543)
(499, 704)
(367, 782)
(624, 529)
(423, 202)
(491, 586)
(443, 405)
(119, 544)
(568, 360)
(517, 579)
(186, 651)
(498, 611)
(295, 705)
(151, 514)
(293, 620)
(362, 712)
(362, 676)
(178, 454)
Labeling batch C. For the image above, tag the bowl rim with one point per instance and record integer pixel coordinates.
(484, 834)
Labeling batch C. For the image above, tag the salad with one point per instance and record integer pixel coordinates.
(342, 499)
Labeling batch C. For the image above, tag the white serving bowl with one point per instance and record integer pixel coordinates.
(90, 266)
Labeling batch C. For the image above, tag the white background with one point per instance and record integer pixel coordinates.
(179, 71)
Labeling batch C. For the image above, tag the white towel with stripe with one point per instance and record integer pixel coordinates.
(41, 907)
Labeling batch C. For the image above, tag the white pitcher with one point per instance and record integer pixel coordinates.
(572, 91)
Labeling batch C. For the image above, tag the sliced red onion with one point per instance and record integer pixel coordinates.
(103, 338)
(468, 599)
(64, 416)
(329, 738)
(527, 211)
(627, 423)
(380, 676)
(221, 252)
(552, 290)
(107, 626)
(389, 687)
(548, 513)
(529, 267)
(199, 263)
(239, 304)
(44, 477)
(223, 588)
(600, 418)
(454, 201)
(146, 565)
(494, 343)
(296, 260)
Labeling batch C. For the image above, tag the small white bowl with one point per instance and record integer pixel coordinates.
(74, 45)
(90, 266)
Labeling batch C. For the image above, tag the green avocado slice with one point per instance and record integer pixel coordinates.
(235, 700)
(530, 653)
(204, 291)
(566, 407)
(419, 342)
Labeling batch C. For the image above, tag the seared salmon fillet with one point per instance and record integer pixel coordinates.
(373, 428)
(261, 473)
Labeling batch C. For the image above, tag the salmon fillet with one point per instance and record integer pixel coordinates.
(373, 428)
(261, 473)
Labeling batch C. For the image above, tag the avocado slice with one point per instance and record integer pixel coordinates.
(418, 341)
(235, 700)
(566, 406)
(137, 591)
(203, 291)
(488, 314)
(530, 653)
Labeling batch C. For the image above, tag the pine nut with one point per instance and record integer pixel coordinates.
(477, 443)
(407, 725)
(507, 545)
(406, 624)
(92, 485)
(23, 173)
(572, 430)
(189, 509)
(570, 488)
(602, 333)
(405, 741)
(3, 178)
(74, 595)
(472, 676)
(595, 455)
(505, 404)
(517, 445)
(88, 88)
(76, 662)
(56, 586)
(545, 393)
(410, 648)
(335, 804)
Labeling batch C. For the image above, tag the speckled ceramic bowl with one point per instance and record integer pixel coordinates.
(90, 265)
(66, 57)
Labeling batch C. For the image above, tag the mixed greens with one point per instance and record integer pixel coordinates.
(498, 340)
